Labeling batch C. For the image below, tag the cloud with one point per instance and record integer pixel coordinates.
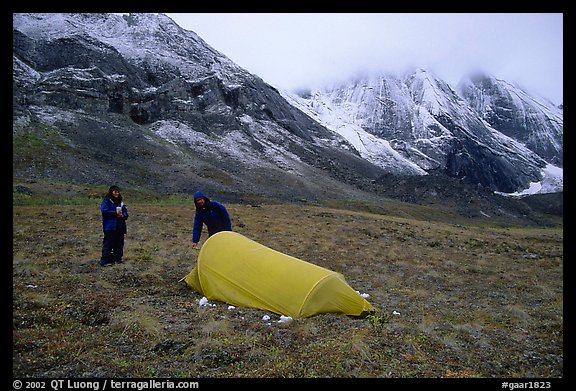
(308, 49)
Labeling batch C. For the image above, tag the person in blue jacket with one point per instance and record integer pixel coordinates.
(211, 213)
(114, 216)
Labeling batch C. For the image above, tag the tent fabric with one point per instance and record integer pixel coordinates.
(239, 271)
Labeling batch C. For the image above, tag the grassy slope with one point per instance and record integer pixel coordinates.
(474, 300)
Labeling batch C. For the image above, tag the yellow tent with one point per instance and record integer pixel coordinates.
(239, 271)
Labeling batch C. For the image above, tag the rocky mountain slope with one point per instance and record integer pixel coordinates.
(138, 100)
(531, 120)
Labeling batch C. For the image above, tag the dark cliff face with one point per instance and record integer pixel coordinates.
(532, 121)
(476, 157)
(75, 72)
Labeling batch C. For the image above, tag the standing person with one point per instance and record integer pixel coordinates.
(114, 216)
(211, 213)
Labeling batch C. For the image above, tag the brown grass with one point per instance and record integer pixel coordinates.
(473, 301)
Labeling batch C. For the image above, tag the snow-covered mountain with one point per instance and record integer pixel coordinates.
(139, 101)
(530, 119)
(418, 124)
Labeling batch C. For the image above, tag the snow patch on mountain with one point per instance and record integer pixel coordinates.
(53, 115)
(235, 144)
(552, 181)
(231, 144)
(370, 147)
(428, 92)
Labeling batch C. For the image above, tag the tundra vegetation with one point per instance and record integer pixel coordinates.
(455, 296)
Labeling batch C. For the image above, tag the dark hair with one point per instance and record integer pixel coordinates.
(111, 189)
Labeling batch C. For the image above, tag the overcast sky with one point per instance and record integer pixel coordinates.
(295, 50)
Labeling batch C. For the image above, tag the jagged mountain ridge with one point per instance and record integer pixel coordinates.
(427, 124)
(188, 115)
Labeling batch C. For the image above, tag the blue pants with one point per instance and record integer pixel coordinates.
(112, 247)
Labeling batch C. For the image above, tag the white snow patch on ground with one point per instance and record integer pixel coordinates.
(51, 115)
